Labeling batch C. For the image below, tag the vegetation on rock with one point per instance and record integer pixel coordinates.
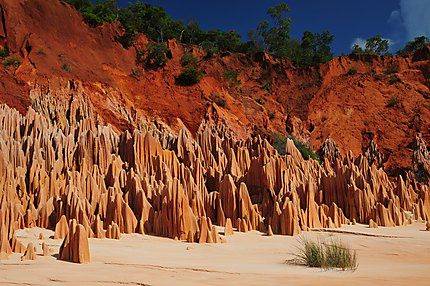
(393, 102)
(191, 75)
(415, 45)
(374, 46)
(13, 60)
(156, 56)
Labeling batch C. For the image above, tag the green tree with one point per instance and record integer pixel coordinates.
(151, 20)
(416, 44)
(192, 33)
(377, 46)
(357, 50)
(80, 5)
(314, 49)
(275, 37)
(96, 14)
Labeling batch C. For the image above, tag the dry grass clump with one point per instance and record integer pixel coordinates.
(327, 255)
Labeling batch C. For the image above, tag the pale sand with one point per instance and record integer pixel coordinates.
(247, 259)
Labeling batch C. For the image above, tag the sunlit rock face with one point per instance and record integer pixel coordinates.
(61, 168)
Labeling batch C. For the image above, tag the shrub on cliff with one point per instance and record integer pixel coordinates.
(232, 77)
(393, 102)
(352, 71)
(415, 45)
(156, 56)
(189, 76)
(14, 61)
(279, 143)
(4, 52)
(188, 59)
(305, 150)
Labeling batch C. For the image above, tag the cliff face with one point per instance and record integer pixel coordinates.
(327, 101)
(83, 150)
(59, 163)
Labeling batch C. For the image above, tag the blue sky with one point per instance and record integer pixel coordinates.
(350, 21)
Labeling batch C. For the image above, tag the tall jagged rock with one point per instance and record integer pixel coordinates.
(5, 248)
(30, 252)
(75, 247)
(228, 229)
(56, 168)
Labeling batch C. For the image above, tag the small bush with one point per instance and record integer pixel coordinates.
(4, 52)
(375, 75)
(305, 150)
(231, 76)
(279, 143)
(156, 56)
(14, 61)
(352, 71)
(190, 76)
(334, 254)
(66, 68)
(189, 59)
(210, 48)
(392, 69)
(393, 102)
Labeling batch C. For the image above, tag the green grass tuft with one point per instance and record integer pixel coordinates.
(327, 255)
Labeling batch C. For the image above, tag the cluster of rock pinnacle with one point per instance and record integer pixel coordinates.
(61, 169)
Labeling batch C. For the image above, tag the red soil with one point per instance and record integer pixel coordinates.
(56, 45)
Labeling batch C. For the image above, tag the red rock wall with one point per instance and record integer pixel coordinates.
(59, 162)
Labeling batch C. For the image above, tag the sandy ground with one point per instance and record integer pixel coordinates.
(400, 258)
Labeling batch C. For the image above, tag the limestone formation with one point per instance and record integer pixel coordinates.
(5, 248)
(113, 231)
(149, 179)
(228, 230)
(75, 247)
(269, 230)
(61, 228)
(45, 249)
(17, 246)
(30, 253)
(372, 224)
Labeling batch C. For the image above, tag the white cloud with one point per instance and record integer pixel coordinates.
(413, 17)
